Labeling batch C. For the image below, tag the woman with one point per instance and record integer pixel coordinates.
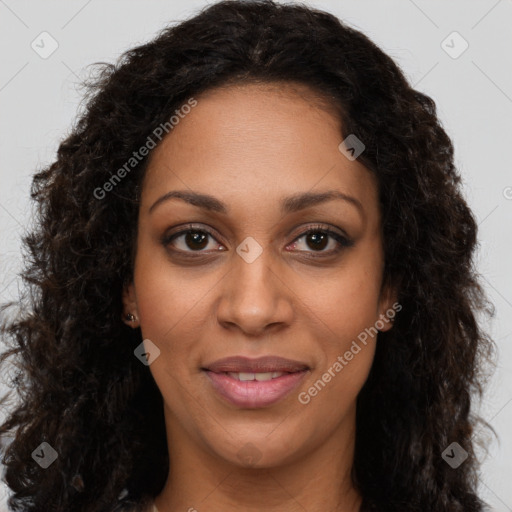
(252, 284)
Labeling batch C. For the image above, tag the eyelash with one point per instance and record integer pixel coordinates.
(343, 242)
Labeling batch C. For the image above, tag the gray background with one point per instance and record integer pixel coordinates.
(473, 92)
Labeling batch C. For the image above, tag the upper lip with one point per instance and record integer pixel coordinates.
(258, 365)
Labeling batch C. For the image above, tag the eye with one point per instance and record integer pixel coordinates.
(320, 237)
(189, 240)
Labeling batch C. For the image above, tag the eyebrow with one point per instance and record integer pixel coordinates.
(289, 204)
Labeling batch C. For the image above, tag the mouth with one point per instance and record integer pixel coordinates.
(259, 376)
(254, 383)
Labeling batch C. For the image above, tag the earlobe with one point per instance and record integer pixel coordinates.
(130, 312)
(388, 307)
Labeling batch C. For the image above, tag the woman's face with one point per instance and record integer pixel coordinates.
(247, 282)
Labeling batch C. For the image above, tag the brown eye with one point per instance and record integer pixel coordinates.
(317, 239)
(192, 240)
(196, 239)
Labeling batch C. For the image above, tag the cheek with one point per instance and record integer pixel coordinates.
(171, 313)
(345, 352)
(346, 302)
(347, 309)
(168, 296)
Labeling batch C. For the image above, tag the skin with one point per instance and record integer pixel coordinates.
(250, 146)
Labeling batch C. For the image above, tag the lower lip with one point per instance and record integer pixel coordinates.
(254, 394)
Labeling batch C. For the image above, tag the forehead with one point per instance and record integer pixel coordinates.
(258, 141)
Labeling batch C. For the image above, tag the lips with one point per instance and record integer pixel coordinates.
(266, 364)
(254, 383)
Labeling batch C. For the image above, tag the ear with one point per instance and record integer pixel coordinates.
(388, 306)
(130, 305)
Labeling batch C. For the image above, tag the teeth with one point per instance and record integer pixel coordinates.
(245, 376)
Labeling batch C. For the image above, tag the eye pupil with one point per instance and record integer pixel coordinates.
(319, 240)
(196, 237)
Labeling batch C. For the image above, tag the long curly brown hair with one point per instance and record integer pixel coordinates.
(81, 389)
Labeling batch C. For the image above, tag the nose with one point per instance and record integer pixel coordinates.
(255, 297)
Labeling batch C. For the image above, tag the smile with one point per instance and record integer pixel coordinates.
(254, 390)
